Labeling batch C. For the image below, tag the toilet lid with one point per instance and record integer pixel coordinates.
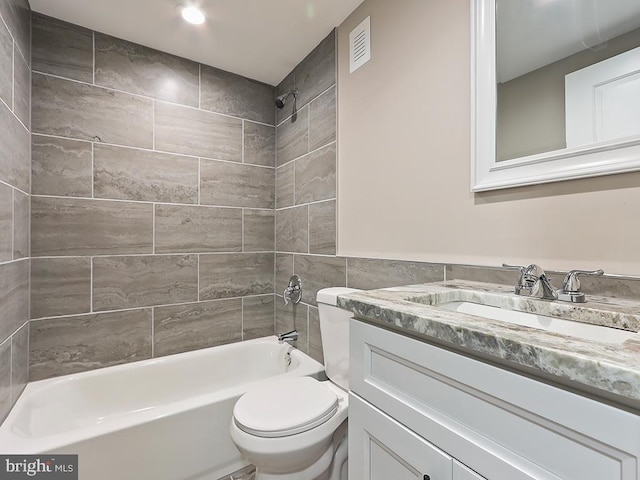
(285, 407)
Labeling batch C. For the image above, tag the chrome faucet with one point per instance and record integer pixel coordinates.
(289, 337)
(293, 292)
(533, 282)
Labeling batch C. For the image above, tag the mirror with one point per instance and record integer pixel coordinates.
(556, 90)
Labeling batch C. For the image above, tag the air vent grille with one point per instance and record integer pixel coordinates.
(360, 45)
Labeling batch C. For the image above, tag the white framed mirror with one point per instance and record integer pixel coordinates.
(555, 90)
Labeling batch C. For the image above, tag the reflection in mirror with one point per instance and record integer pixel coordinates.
(567, 73)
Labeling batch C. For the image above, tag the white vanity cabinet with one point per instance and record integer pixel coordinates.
(417, 409)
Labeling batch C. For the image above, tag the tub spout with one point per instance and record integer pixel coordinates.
(291, 336)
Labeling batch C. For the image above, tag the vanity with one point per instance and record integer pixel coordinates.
(464, 380)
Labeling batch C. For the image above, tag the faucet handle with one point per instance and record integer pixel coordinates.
(523, 287)
(571, 282)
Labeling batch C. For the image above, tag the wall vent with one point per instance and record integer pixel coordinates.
(360, 45)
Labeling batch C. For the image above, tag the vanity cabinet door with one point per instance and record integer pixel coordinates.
(382, 449)
(460, 472)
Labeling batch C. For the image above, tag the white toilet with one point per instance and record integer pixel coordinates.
(296, 428)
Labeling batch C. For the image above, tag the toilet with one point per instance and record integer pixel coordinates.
(296, 428)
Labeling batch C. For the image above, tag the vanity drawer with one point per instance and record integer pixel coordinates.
(502, 425)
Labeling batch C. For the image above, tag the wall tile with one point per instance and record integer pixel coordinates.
(319, 272)
(6, 66)
(132, 174)
(62, 49)
(231, 94)
(293, 317)
(236, 275)
(195, 132)
(292, 230)
(322, 228)
(502, 276)
(19, 361)
(284, 270)
(62, 226)
(230, 184)
(61, 346)
(257, 320)
(6, 223)
(71, 109)
(15, 161)
(60, 286)
(322, 120)
(316, 176)
(315, 338)
(14, 297)
(285, 187)
(22, 90)
(292, 137)
(5, 379)
(313, 75)
(17, 16)
(182, 328)
(259, 230)
(20, 225)
(259, 144)
(133, 68)
(129, 282)
(60, 167)
(369, 273)
(183, 229)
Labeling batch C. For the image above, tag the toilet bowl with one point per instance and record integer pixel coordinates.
(296, 428)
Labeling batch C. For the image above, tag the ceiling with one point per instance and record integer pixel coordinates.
(260, 39)
(534, 33)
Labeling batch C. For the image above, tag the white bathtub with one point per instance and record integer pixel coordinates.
(160, 419)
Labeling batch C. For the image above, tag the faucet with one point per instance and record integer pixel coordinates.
(293, 292)
(289, 337)
(533, 282)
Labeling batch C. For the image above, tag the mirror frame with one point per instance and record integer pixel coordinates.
(604, 158)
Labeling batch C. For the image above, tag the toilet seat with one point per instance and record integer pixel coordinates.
(285, 407)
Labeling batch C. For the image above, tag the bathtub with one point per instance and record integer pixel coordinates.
(162, 419)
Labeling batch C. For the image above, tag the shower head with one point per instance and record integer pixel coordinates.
(282, 99)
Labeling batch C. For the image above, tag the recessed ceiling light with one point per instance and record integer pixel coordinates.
(193, 15)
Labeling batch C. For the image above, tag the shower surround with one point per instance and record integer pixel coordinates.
(15, 112)
(152, 210)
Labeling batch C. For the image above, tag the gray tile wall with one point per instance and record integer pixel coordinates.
(152, 210)
(15, 190)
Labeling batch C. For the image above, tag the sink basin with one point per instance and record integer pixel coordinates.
(566, 327)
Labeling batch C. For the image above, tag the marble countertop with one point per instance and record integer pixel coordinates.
(612, 368)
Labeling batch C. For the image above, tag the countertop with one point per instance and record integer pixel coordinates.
(609, 368)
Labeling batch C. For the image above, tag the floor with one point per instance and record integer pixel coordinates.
(247, 473)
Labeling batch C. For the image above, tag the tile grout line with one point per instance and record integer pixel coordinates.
(153, 332)
(153, 125)
(161, 152)
(93, 170)
(198, 279)
(199, 86)
(13, 224)
(102, 87)
(153, 233)
(133, 147)
(145, 202)
(93, 34)
(146, 307)
(91, 285)
(13, 79)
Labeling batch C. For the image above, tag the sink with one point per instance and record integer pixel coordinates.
(585, 331)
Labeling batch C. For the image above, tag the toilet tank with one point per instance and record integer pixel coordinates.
(334, 329)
